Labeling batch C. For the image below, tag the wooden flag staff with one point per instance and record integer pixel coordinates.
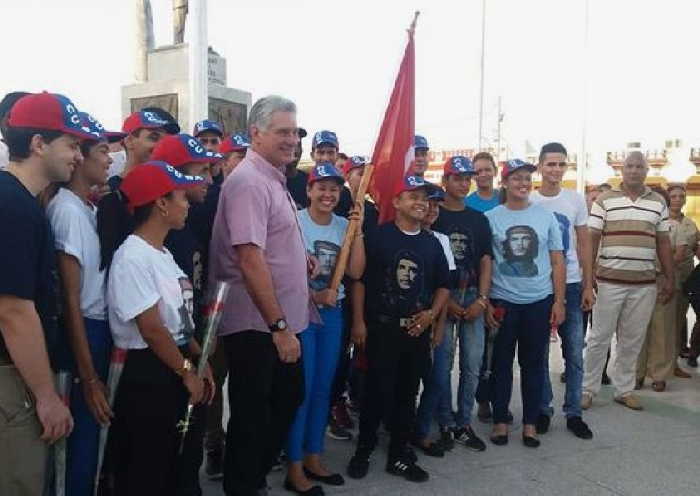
(352, 230)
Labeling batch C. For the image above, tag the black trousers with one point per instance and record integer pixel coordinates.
(144, 439)
(264, 395)
(395, 364)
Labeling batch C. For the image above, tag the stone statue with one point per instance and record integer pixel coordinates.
(179, 17)
(144, 38)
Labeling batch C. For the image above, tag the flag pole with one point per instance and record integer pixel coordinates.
(351, 231)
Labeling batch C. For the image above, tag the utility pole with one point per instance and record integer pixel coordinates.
(198, 61)
(483, 56)
(582, 160)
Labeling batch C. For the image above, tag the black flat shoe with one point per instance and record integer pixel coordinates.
(312, 491)
(531, 442)
(434, 449)
(500, 440)
(331, 480)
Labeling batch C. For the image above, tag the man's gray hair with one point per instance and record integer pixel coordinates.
(636, 156)
(262, 110)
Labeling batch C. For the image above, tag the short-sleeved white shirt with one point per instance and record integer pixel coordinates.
(74, 225)
(142, 276)
(571, 211)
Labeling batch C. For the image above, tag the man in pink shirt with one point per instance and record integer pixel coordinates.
(257, 247)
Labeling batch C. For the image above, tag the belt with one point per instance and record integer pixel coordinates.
(400, 321)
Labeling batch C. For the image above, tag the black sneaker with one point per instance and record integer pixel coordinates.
(406, 469)
(579, 428)
(359, 463)
(447, 440)
(542, 425)
(692, 361)
(469, 439)
(214, 467)
(338, 432)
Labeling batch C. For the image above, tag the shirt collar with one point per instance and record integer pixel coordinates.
(265, 167)
(647, 190)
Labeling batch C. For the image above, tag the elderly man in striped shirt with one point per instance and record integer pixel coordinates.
(629, 230)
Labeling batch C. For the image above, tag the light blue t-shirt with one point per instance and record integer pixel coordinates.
(479, 204)
(324, 243)
(522, 240)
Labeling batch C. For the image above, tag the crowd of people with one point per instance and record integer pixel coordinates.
(113, 242)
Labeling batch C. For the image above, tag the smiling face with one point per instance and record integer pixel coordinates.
(406, 272)
(433, 213)
(278, 142)
(324, 195)
(95, 166)
(553, 166)
(518, 185)
(412, 205)
(60, 157)
(485, 171)
(325, 152)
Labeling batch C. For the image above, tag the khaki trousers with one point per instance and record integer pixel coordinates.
(23, 456)
(624, 311)
(657, 359)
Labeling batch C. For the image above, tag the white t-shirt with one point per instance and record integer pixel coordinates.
(445, 242)
(140, 277)
(570, 209)
(74, 225)
(118, 163)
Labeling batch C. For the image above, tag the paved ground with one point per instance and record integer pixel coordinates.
(654, 452)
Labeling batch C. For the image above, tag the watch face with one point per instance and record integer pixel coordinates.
(281, 324)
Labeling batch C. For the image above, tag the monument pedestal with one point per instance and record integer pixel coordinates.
(168, 87)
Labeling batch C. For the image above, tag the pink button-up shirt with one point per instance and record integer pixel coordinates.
(255, 207)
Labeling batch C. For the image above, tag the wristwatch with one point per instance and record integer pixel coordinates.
(278, 326)
(186, 367)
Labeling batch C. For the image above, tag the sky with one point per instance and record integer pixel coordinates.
(338, 60)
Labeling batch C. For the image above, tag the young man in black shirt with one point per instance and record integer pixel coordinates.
(470, 239)
(420, 145)
(43, 136)
(406, 286)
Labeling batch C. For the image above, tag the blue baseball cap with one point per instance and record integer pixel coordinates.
(180, 149)
(325, 170)
(235, 143)
(458, 165)
(208, 125)
(353, 163)
(516, 164)
(48, 111)
(151, 180)
(324, 138)
(436, 193)
(93, 126)
(411, 183)
(419, 142)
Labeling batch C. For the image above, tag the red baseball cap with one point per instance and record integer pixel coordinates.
(149, 181)
(180, 149)
(143, 120)
(353, 162)
(411, 183)
(235, 143)
(49, 111)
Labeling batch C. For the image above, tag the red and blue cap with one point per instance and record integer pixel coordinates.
(436, 193)
(420, 143)
(458, 165)
(181, 149)
(143, 120)
(353, 162)
(324, 138)
(151, 180)
(516, 164)
(49, 111)
(411, 183)
(93, 126)
(208, 125)
(325, 170)
(235, 143)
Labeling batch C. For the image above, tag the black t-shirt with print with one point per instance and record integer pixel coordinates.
(28, 259)
(297, 188)
(470, 239)
(403, 271)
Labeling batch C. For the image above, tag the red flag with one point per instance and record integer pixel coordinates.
(393, 153)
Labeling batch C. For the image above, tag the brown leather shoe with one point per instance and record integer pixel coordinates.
(630, 401)
(658, 386)
(679, 372)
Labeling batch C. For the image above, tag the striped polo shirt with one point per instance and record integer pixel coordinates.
(629, 228)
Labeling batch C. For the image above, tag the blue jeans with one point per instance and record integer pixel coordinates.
(81, 449)
(571, 333)
(320, 351)
(436, 399)
(527, 326)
